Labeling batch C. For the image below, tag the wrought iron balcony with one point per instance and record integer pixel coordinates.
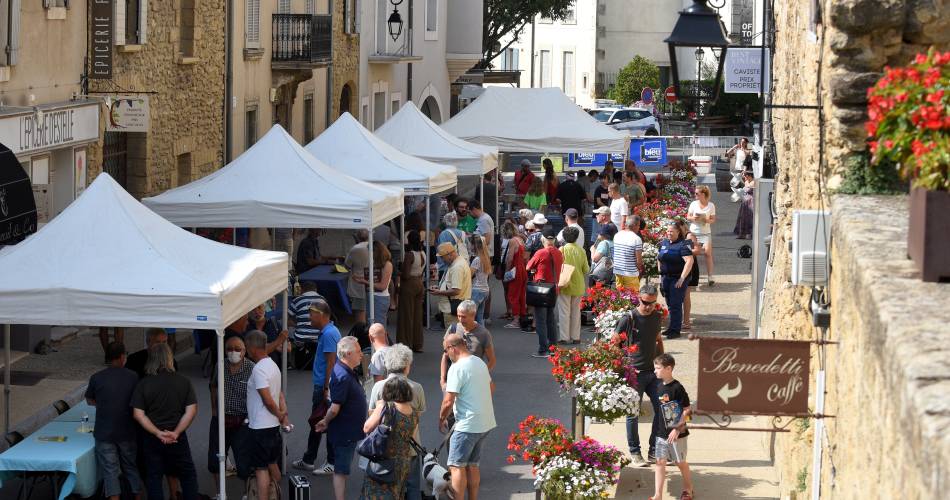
(301, 41)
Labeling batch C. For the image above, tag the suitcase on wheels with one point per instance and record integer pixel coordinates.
(298, 487)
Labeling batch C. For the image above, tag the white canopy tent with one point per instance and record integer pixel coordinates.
(108, 260)
(351, 148)
(277, 183)
(517, 120)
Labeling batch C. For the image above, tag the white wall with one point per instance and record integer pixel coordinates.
(628, 30)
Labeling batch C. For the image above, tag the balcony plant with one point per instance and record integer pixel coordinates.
(909, 126)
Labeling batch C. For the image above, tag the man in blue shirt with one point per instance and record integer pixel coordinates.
(348, 409)
(323, 362)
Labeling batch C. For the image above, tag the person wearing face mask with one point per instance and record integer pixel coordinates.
(237, 371)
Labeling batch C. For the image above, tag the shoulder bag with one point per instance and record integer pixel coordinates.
(603, 270)
(373, 446)
(542, 293)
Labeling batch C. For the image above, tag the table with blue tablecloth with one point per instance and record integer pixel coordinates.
(76, 456)
(330, 284)
(76, 413)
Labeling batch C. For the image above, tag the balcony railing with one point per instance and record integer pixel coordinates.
(301, 39)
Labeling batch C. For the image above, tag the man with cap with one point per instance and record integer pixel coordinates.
(533, 244)
(602, 218)
(456, 284)
(524, 178)
(570, 220)
(570, 194)
(546, 264)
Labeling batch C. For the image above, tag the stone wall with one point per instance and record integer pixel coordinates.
(186, 98)
(346, 63)
(832, 64)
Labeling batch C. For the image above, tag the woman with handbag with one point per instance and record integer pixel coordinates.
(386, 479)
(516, 277)
(237, 371)
(542, 291)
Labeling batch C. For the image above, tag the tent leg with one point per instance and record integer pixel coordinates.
(6, 379)
(371, 313)
(283, 371)
(222, 452)
(234, 236)
(427, 265)
(481, 194)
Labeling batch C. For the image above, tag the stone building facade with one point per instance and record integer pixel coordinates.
(346, 60)
(885, 440)
(174, 56)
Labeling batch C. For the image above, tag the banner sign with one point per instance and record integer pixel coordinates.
(128, 113)
(648, 152)
(743, 70)
(593, 160)
(101, 35)
(761, 377)
(17, 205)
(743, 28)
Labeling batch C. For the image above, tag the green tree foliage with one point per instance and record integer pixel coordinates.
(736, 107)
(638, 73)
(502, 17)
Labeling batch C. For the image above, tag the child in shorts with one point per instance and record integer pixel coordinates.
(671, 438)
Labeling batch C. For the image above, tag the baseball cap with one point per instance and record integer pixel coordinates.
(548, 233)
(539, 220)
(602, 210)
(571, 212)
(608, 230)
(445, 249)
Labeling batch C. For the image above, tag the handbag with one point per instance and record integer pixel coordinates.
(541, 293)
(374, 445)
(382, 471)
(603, 270)
(318, 413)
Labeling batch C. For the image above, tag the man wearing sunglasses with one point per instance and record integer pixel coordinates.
(642, 326)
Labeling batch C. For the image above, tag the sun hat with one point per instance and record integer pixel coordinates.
(539, 220)
(445, 249)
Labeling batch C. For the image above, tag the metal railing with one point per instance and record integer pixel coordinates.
(301, 38)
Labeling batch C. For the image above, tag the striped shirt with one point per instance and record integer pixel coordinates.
(626, 246)
(299, 309)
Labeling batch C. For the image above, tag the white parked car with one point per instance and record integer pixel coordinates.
(638, 121)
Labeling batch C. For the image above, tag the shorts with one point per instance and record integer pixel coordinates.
(672, 452)
(357, 303)
(465, 448)
(262, 447)
(628, 282)
(343, 457)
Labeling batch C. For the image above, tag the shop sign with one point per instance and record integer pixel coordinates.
(50, 128)
(742, 22)
(590, 160)
(743, 70)
(648, 152)
(128, 114)
(750, 376)
(17, 205)
(101, 21)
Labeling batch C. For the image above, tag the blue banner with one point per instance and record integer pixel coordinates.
(593, 160)
(648, 152)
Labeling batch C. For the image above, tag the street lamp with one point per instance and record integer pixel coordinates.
(395, 21)
(698, 26)
(699, 69)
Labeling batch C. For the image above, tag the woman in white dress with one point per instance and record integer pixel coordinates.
(740, 151)
(701, 216)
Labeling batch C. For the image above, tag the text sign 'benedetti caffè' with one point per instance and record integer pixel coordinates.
(768, 377)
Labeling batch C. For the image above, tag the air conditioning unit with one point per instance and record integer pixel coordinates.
(811, 247)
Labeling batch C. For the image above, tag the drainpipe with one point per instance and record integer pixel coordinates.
(328, 111)
(533, 26)
(228, 80)
(409, 68)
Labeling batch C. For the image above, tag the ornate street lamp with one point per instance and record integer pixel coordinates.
(698, 26)
(395, 21)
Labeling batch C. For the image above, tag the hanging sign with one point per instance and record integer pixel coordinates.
(648, 152)
(101, 21)
(761, 377)
(743, 71)
(128, 113)
(17, 205)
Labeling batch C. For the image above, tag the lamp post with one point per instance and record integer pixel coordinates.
(699, 76)
(698, 26)
(395, 20)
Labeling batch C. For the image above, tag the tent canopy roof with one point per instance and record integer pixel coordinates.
(107, 260)
(277, 183)
(414, 133)
(517, 120)
(350, 148)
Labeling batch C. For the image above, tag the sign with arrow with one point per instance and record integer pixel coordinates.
(747, 376)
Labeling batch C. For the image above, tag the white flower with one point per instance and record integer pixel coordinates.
(606, 322)
(604, 394)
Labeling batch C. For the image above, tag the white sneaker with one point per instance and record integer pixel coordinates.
(324, 470)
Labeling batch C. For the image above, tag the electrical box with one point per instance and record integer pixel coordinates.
(811, 247)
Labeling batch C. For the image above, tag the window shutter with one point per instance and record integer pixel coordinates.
(143, 22)
(14, 34)
(118, 23)
(283, 6)
(357, 15)
(252, 30)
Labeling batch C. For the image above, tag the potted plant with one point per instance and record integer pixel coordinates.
(909, 125)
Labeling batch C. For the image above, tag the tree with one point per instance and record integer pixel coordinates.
(638, 73)
(503, 17)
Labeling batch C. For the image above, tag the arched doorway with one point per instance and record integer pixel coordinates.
(346, 96)
(430, 108)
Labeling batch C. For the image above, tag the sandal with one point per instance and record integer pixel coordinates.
(686, 495)
(687, 326)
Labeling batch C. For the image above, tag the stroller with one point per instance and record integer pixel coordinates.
(438, 484)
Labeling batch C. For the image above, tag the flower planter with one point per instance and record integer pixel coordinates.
(928, 237)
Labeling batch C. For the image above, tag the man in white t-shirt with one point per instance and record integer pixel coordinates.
(619, 208)
(570, 220)
(266, 412)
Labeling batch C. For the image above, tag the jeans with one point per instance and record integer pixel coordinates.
(545, 320)
(116, 459)
(414, 483)
(674, 300)
(313, 439)
(232, 441)
(646, 383)
(169, 459)
(380, 308)
(479, 297)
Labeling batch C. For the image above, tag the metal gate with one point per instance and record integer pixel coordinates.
(115, 156)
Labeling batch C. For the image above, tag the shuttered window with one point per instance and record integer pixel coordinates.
(252, 21)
